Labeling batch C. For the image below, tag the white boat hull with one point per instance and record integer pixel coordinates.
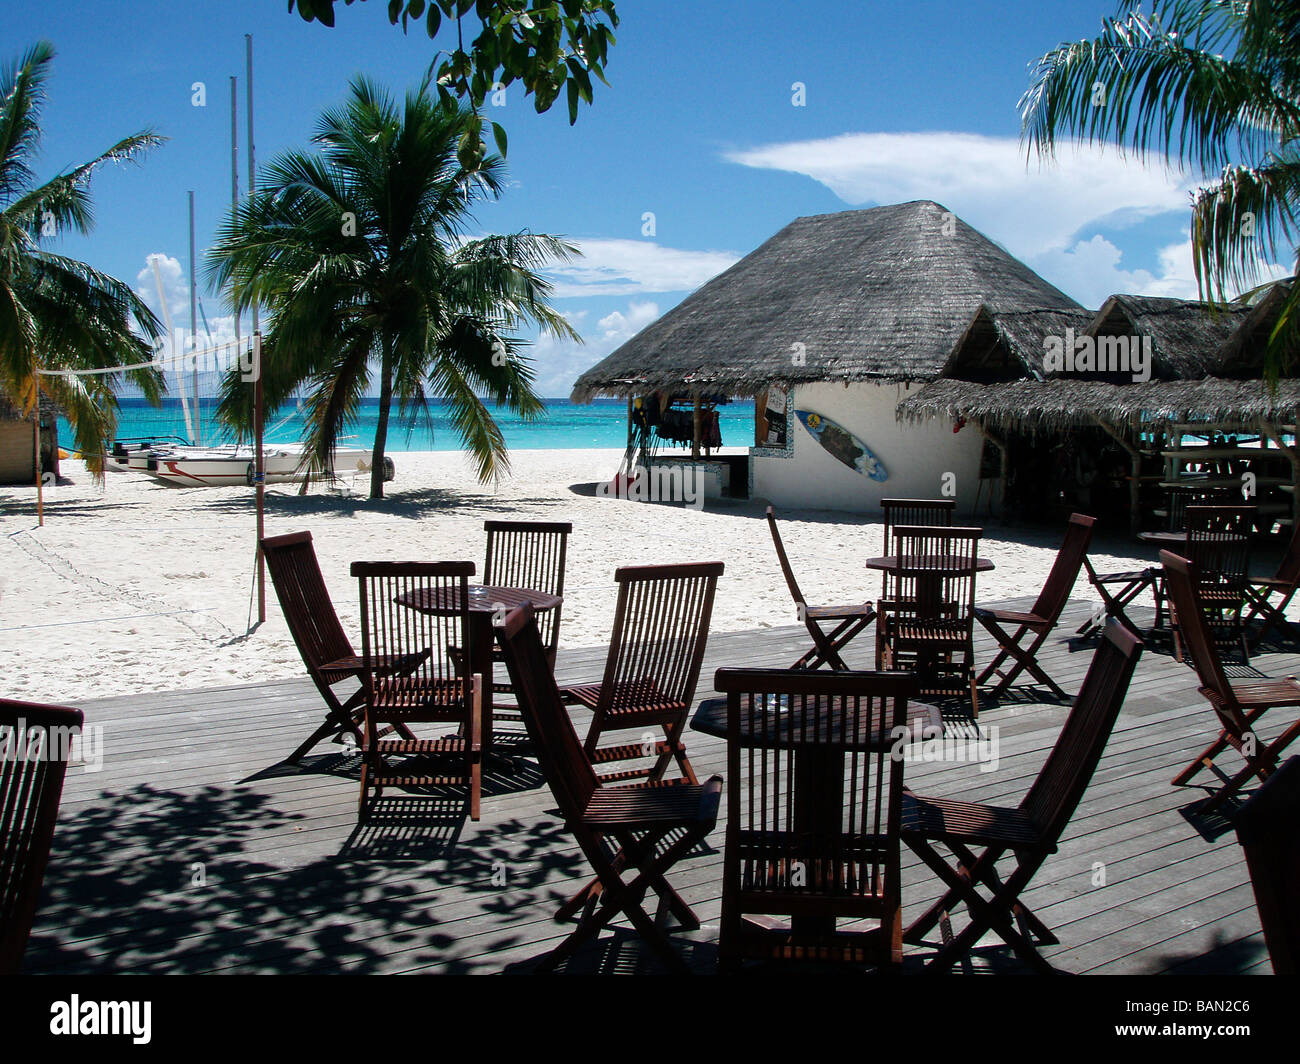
(215, 469)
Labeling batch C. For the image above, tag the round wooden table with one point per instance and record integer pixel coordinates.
(488, 606)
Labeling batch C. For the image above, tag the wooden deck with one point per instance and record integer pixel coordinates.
(194, 851)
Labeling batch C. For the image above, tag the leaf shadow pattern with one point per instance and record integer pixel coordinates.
(157, 881)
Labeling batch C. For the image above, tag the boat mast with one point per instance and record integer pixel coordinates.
(194, 332)
(234, 171)
(259, 466)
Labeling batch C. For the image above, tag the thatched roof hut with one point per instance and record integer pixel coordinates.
(876, 294)
(17, 441)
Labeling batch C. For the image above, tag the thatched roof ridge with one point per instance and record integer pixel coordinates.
(10, 411)
(882, 293)
(1186, 334)
(1243, 353)
(1008, 344)
(1061, 401)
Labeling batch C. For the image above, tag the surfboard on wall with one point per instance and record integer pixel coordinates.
(841, 444)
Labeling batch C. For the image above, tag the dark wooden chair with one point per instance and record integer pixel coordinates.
(814, 797)
(1236, 705)
(646, 829)
(1218, 545)
(661, 626)
(530, 555)
(1038, 623)
(33, 763)
(1267, 828)
(916, 513)
(417, 612)
(1260, 591)
(1030, 831)
(928, 622)
(1117, 590)
(849, 621)
(324, 645)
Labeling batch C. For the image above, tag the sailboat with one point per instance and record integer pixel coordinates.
(196, 466)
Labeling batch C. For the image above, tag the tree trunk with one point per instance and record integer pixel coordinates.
(381, 428)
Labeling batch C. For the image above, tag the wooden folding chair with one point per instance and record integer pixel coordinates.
(814, 799)
(1218, 545)
(661, 626)
(1267, 830)
(33, 763)
(1237, 705)
(826, 645)
(915, 513)
(928, 621)
(619, 829)
(1117, 590)
(325, 648)
(1041, 618)
(417, 612)
(1260, 589)
(1030, 831)
(529, 555)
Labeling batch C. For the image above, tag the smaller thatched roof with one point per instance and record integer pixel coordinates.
(10, 411)
(1243, 354)
(1186, 335)
(1008, 344)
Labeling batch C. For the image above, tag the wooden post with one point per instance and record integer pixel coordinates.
(259, 476)
(1135, 475)
(36, 443)
(695, 428)
(760, 419)
(1268, 430)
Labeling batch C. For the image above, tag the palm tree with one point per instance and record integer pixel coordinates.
(1210, 84)
(360, 255)
(57, 313)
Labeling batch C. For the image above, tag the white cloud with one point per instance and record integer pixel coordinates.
(633, 267)
(558, 363)
(1091, 271)
(1028, 207)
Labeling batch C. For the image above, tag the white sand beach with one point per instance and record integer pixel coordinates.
(133, 586)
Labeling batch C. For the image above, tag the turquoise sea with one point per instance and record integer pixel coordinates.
(602, 423)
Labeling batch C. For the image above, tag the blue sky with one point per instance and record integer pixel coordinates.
(698, 127)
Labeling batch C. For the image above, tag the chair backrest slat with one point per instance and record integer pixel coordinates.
(661, 627)
(1065, 569)
(1181, 587)
(799, 741)
(1058, 789)
(304, 600)
(935, 578)
(34, 742)
(564, 764)
(530, 555)
(416, 613)
(929, 513)
(1218, 544)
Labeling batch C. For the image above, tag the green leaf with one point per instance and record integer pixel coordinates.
(499, 135)
(434, 21)
(394, 11)
(573, 102)
(415, 8)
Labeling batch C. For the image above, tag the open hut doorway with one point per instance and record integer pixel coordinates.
(1051, 475)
